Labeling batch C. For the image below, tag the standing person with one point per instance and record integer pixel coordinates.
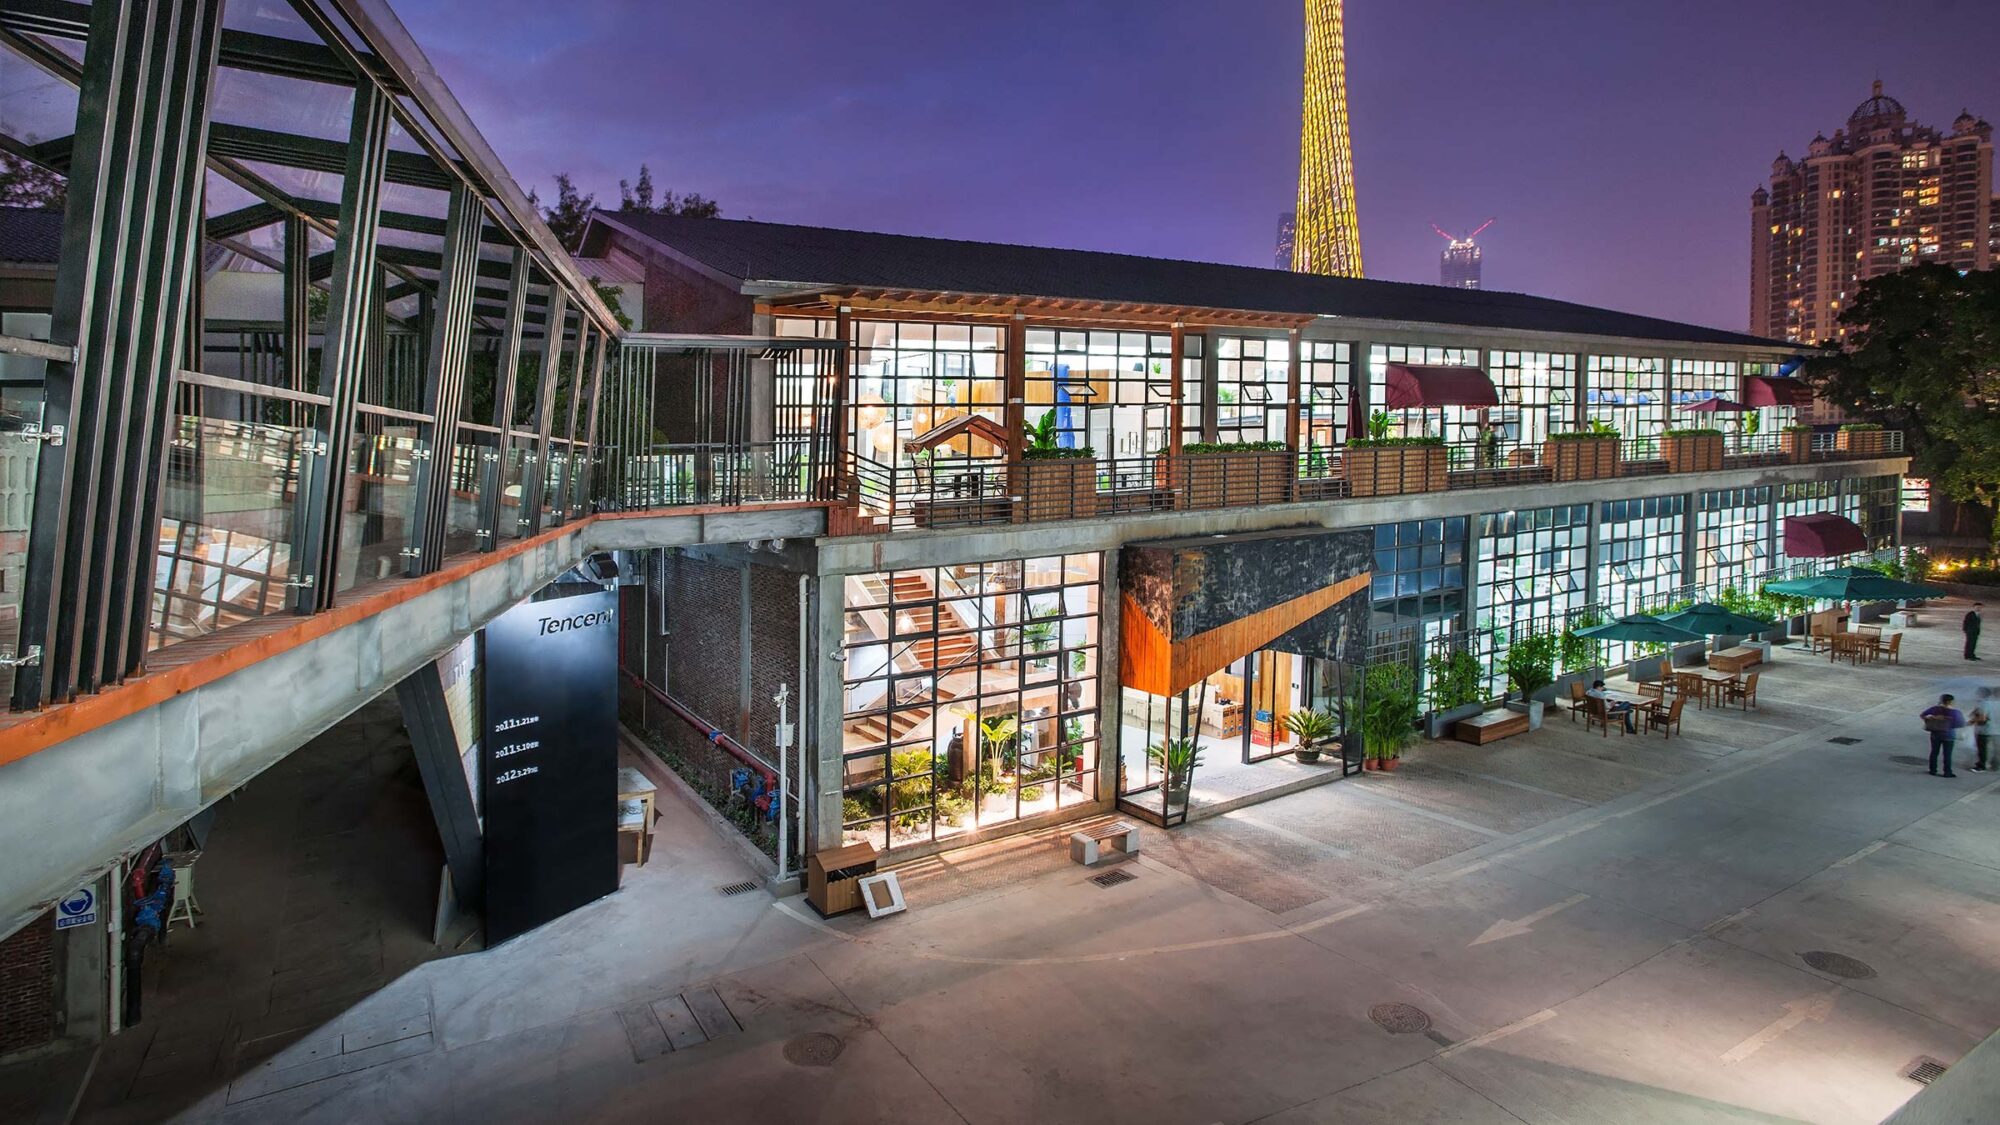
(1943, 721)
(1971, 627)
(1982, 721)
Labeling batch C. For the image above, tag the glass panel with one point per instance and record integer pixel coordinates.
(376, 502)
(468, 471)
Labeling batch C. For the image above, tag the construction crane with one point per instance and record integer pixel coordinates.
(1458, 266)
(1450, 237)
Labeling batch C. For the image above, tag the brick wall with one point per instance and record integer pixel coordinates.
(679, 299)
(28, 986)
(700, 662)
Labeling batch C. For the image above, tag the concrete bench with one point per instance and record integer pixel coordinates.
(1104, 843)
(1490, 727)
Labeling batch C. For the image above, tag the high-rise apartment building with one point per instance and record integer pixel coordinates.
(1288, 225)
(1881, 194)
(1458, 266)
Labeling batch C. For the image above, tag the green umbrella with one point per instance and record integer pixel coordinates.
(1855, 584)
(1712, 619)
(1639, 627)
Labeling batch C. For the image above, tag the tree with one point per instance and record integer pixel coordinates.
(1923, 356)
(638, 198)
(24, 183)
(567, 217)
(572, 208)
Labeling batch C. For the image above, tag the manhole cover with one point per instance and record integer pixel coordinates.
(814, 1048)
(1400, 1019)
(742, 888)
(1112, 878)
(1925, 1070)
(1909, 760)
(1838, 964)
(1843, 740)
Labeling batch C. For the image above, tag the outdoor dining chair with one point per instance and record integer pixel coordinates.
(1744, 693)
(1669, 721)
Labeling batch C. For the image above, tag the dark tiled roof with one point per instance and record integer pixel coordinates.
(777, 252)
(30, 235)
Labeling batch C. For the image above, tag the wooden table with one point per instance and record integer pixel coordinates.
(1736, 659)
(1713, 682)
(1856, 648)
(1639, 702)
(635, 808)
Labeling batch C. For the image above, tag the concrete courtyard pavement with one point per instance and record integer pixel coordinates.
(1562, 927)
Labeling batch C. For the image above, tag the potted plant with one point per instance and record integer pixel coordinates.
(1037, 639)
(1388, 714)
(1797, 443)
(1455, 690)
(1313, 729)
(1176, 758)
(1380, 465)
(1581, 657)
(1057, 482)
(1592, 453)
(1692, 449)
(1531, 668)
(1863, 439)
(1235, 474)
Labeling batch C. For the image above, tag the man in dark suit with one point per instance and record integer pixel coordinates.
(1971, 627)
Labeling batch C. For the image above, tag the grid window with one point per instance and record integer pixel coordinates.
(1628, 392)
(1110, 391)
(1532, 572)
(1419, 572)
(909, 379)
(1456, 423)
(1325, 382)
(1732, 529)
(1252, 388)
(1537, 393)
(970, 697)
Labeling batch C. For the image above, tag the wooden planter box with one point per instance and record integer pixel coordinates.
(1235, 480)
(1058, 489)
(1582, 458)
(1692, 453)
(1391, 470)
(1797, 446)
(1863, 443)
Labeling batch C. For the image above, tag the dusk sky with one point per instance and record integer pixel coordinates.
(1617, 143)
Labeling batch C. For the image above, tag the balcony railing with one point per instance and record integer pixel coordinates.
(972, 492)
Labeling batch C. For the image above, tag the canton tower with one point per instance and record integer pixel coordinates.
(1328, 237)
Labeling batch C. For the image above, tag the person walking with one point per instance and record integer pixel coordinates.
(1943, 721)
(1971, 628)
(1982, 737)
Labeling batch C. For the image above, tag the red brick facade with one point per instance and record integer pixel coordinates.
(28, 986)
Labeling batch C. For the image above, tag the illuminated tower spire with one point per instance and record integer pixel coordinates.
(1328, 237)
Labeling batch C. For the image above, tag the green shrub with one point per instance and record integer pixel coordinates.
(1694, 431)
(1455, 680)
(1378, 443)
(1235, 447)
(1859, 427)
(1531, 662)
(1579, 652)
(1388, 710)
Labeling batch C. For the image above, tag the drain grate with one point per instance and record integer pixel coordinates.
(734, 889)
(1843, 740)
(1112, 878)
(1838, 964)
(1924, 1071)
(814, 1048)
(1400, 1019)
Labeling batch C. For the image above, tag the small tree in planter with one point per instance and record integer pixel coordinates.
(1454, 689)
(1861, 438)
(1531, 667)
(1237, 474)
(1797, 442)
(1388, 714)
(1693, 449)
(1057, 482)
(1313, 729)
(1592, 453)
(1177, 759)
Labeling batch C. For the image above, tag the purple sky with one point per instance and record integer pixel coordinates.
(1616, 142)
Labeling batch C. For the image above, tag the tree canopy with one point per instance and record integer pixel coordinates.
(1923, 356)
(567, 216)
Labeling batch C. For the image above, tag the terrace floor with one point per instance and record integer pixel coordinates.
(1579, 928)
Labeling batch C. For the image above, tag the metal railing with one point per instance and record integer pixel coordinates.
(973, 492)
(671, 476)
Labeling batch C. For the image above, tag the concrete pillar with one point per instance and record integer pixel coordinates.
(1110, 700)
(1210, 367)
(829, 634)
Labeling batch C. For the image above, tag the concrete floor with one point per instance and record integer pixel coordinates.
(1597, 929)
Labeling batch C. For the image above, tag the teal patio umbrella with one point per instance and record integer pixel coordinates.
(1640, 627)
(1715, 620)
(1855, 584)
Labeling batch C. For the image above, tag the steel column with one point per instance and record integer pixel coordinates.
(444, 381)
(343, 350)
(506, 372)
(534, 478)
(567, 477)
(580, 490)
(122, 287)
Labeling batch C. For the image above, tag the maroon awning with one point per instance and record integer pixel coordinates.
(1774, 390)
(1822, 535)
(1411, 387)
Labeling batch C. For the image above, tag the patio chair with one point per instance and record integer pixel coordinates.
(1744, 693)
(1669, 721)
(1655, 690)
(1891, 648)
(1693, 684)
(1595, 711)
(1577, 699)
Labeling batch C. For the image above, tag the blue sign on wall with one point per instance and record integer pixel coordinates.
(77, 909)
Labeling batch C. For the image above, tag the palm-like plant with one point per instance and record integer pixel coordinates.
(1310, 726)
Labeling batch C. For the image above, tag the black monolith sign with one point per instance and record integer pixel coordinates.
(549, 760)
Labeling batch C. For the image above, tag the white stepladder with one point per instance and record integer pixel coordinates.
(185, 906)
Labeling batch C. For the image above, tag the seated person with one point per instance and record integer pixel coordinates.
(1613, 706)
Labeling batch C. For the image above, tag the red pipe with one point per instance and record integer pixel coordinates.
(734, 748)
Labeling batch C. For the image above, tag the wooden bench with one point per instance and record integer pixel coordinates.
(1490, 727)
(1735, 659)
(1104, 843)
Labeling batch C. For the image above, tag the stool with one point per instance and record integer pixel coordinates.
(185, 906)
(1093, 846)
